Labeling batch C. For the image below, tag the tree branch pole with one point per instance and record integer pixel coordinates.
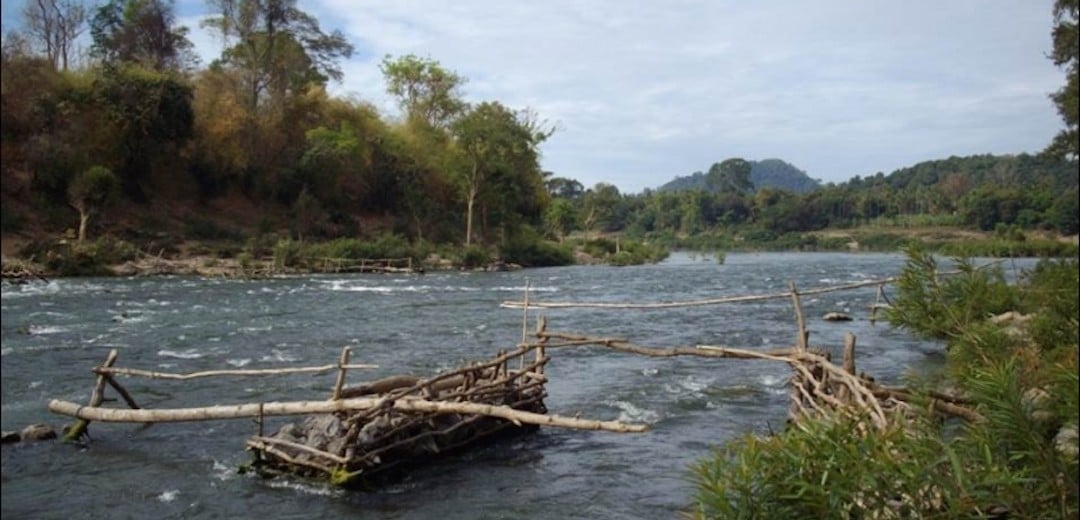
(95, 413)
(342, 367)
(716, 301)
(78, 429)
(802, 335)
(214, 373)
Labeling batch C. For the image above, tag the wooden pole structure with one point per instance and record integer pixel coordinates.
(877, 303)
(849, 353)
(78, 429)
(214, 373)
(524, 322)
(342, 367)
(96, 413)
(803, 336)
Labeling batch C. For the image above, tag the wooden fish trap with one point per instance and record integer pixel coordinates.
(363, 434)
(364, 447)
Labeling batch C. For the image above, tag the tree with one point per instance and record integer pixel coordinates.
(599, 205)
(90, 192)
(560, 218)
(54, 25)
(149, 114)
(277, 48)
(1066, 54)
(565, 188)
(142, 32)
(500, 151)
(425, 90)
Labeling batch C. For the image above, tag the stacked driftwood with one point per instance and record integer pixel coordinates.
(358, 447)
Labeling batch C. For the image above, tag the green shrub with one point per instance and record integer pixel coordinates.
(537, 253)
(289, 253)
(473, 256)
(940, 307)
(1010, 464)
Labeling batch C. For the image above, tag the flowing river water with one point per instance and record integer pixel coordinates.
(55, 332)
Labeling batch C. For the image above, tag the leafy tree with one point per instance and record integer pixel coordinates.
(560, 218)
(149, 115)
(277, 48)
(426, 91)
(500, 151)
(565, 188)
(90, 192)
(599, 206)
(142, 32)
(53, 26)
(1066, 54)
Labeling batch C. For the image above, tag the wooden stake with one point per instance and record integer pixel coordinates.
(120, 390)
(524, 322)
(803, 336)
(849, 353)
(96, 397)
(342, 367)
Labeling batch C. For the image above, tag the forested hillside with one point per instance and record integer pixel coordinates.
(141, 141)
(767, 173)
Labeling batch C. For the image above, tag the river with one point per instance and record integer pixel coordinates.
(54, 332)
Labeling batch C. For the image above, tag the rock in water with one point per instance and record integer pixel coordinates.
(836, 316)
(38, 432)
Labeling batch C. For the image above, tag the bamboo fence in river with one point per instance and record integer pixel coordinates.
(385, 427)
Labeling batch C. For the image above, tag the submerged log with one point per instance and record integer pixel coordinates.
(93, 413)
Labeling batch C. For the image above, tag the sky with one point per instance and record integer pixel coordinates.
(643, 91)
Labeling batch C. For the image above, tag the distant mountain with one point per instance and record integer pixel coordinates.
(767, 173)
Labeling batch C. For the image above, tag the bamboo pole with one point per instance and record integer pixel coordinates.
(121, 390)
(94, 413)
(78, 429)
(510, 304)
(803, 336)
(524, 322)
(214, 373)
(700, 350)
(302, 447)
(342, 364)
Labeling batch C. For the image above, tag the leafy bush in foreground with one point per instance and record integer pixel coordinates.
(1019, 462)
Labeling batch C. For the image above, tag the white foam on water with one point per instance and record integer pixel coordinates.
(650, 371)
(632, 413)
(35, 384)
(279, 357)
(238, 363)
(180, 354)
(168, 496)
(223, 472)
(776, 385)
(37, 330)
(307, 489)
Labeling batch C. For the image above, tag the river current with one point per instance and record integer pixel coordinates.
(55, 332)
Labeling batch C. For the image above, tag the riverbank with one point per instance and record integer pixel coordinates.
(107, 256)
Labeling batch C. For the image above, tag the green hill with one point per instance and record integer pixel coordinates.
(767, 173)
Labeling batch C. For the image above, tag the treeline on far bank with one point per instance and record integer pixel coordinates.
(980, 205)
(139, 149)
